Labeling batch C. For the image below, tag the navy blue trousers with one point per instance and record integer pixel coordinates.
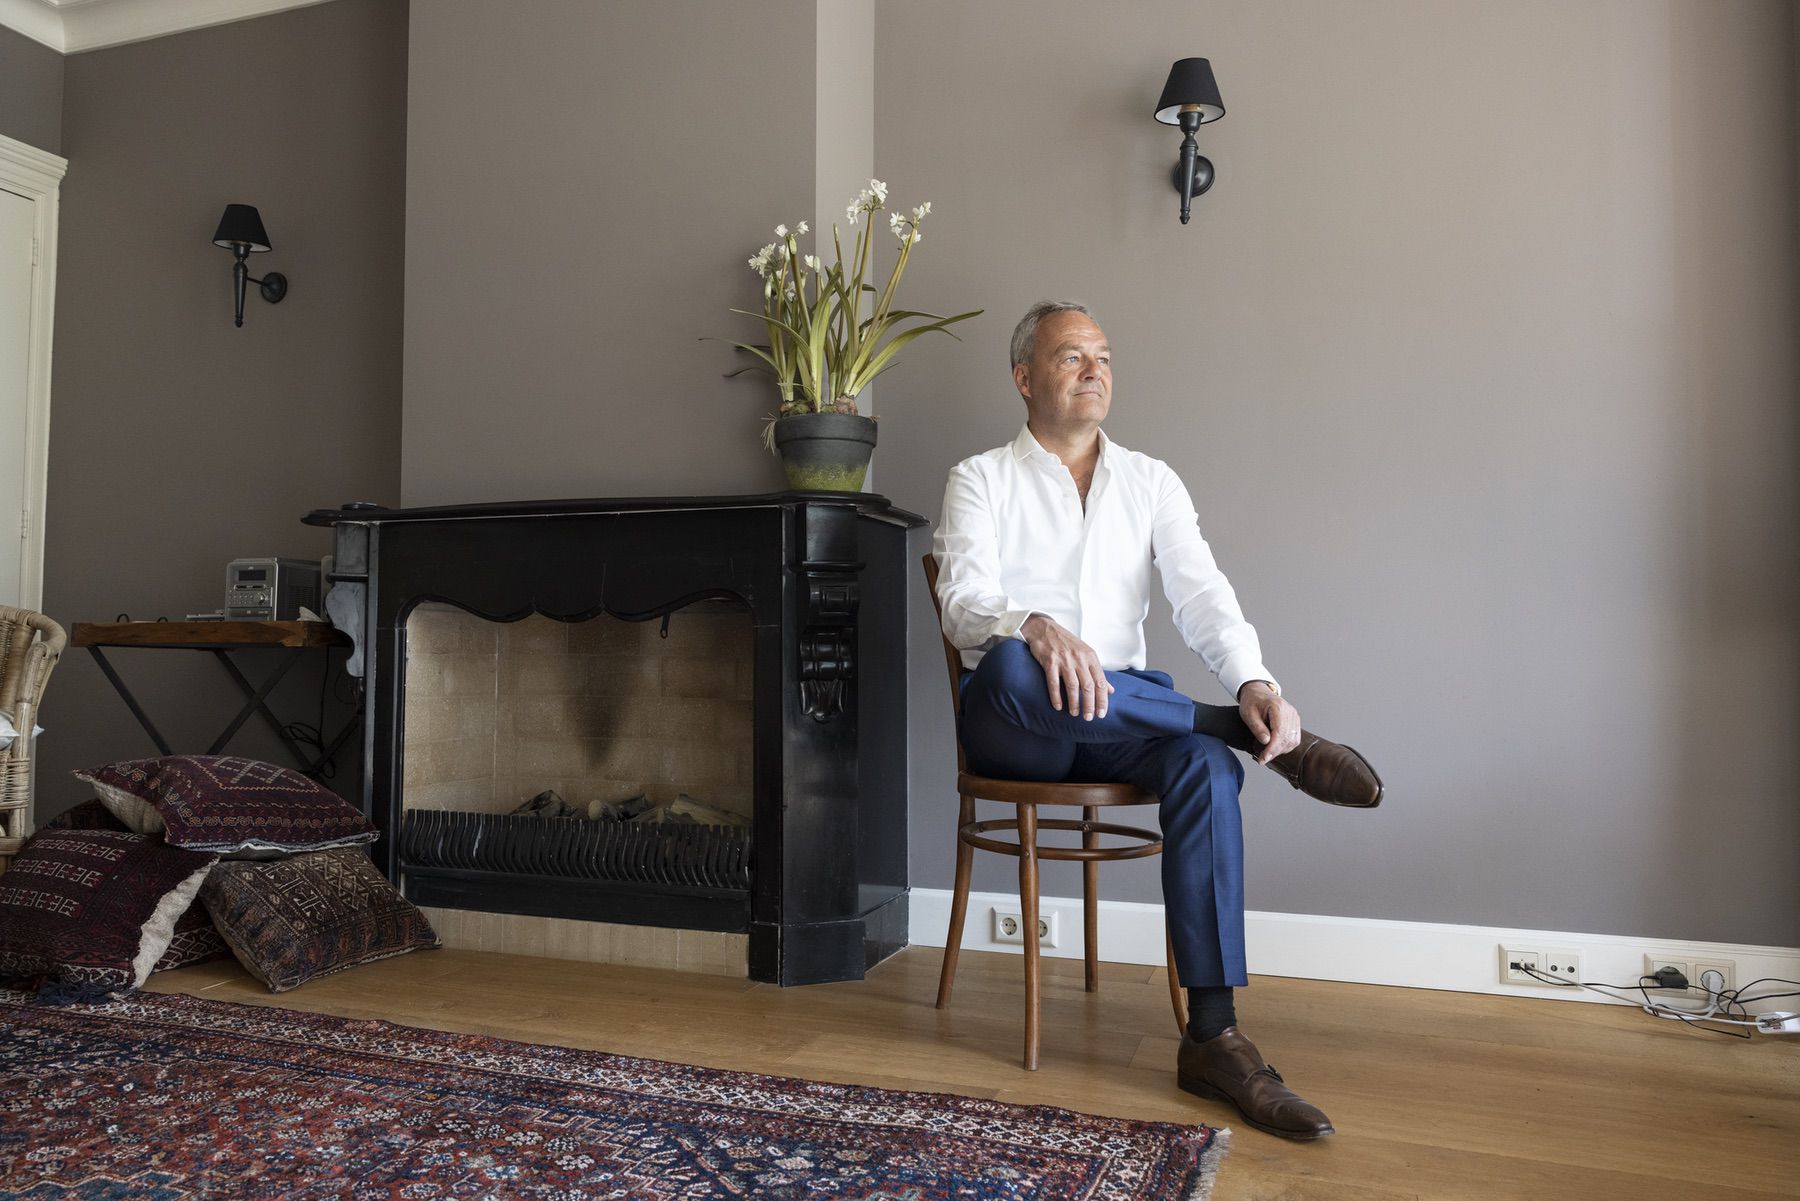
(1009, 731)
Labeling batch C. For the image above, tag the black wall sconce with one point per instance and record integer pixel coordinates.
(241, 232)
(1190, 99)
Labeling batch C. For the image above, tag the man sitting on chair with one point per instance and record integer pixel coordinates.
(1044, 556)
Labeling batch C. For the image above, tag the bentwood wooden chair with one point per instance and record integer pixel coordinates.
(30, 645)
(1025, 797)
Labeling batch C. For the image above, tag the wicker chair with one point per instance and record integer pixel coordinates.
(972, 835)
(30, 645)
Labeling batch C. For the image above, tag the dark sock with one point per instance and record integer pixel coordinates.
(1227, 723)
(1209, 1011)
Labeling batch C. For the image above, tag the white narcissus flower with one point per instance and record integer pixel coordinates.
(880, 190)
(781, 231)
(804, 229)
(920, 213)
(812, 260)
(851, 213)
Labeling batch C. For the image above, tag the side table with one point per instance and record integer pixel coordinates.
(223, 639)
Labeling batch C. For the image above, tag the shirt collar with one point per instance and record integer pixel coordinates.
(1026, 446)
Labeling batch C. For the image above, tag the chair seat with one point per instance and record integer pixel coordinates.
(1029, 792)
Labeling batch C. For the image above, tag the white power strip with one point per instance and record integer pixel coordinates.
(1779, 1022)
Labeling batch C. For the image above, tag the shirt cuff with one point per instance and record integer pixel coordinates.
(1238, 672)
(1012, 622)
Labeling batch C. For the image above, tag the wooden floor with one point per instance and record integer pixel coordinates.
(1436, 1096)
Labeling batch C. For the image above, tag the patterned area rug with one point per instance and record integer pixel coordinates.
(161, 1097)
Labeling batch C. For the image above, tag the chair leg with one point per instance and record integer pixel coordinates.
(1090, 900)
(1177, 995)
(1028, 904)
(959, 904)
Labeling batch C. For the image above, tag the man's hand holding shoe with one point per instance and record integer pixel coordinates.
(1326, 770)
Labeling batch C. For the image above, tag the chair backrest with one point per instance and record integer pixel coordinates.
(952, 657)
(30, 645)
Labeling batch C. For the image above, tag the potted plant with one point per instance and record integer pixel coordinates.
(830, 333)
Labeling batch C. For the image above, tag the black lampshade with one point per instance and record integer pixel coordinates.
(1190, 82)
(241, 224)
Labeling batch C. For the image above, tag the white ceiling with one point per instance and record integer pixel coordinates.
(72, 26)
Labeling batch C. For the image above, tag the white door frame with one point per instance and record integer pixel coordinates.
(36, 175)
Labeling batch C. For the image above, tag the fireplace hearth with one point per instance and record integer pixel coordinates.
(817, 879)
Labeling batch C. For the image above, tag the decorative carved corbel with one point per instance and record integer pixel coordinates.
(828, 640)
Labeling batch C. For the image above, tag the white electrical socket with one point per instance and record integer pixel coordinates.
(1564, 965)
(1655, 963)
(1725, 967)
(1007, 925)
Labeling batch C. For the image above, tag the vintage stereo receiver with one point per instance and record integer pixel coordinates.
(271, 589)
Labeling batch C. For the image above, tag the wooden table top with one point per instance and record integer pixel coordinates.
(207, 635)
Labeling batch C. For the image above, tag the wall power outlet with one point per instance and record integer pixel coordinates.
(1702, 979)
(1008, 926)
(1694, 969)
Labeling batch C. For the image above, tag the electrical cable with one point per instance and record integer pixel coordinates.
(1656, 1008)
(313, 736)
(1730, 1001)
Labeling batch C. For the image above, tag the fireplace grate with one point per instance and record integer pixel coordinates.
(678, 855)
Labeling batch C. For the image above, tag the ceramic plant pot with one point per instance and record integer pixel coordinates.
(825, 452)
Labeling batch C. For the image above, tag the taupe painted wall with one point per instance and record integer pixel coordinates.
(179, 442)
(584, 185)
(31, 91)
(1479, 361)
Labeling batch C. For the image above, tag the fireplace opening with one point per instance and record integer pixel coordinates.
(600, 769)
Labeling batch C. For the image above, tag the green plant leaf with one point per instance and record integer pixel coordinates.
(877, 364)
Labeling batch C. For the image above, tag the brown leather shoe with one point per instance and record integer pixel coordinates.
(1230, 1068)
(1332, 773)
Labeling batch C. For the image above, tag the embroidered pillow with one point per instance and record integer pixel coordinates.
(93, 906)
(196, 940)
(237, 807)
(290, 920)
(89, 815)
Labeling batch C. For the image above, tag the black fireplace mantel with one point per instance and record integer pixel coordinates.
(823, 578)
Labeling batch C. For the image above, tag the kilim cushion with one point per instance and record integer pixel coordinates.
(93, 906)
(292, 919)
(237, 807)
(89, 815)
(196, 940)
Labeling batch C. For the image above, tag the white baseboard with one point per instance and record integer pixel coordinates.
(1360, 950)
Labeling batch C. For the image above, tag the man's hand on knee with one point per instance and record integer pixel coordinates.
(1072, 670)
(1273, 722)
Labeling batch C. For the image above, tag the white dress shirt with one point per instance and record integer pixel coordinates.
(1015, 540)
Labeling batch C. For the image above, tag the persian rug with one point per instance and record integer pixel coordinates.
(162, 1097)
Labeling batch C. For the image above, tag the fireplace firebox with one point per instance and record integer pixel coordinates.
(817, 879)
